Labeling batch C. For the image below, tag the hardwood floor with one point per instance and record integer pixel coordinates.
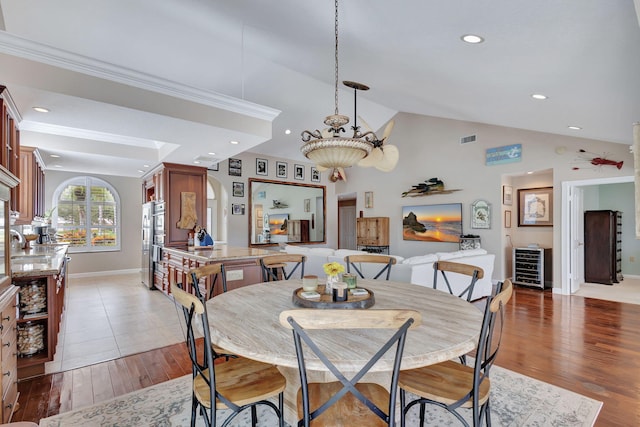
(586, 345)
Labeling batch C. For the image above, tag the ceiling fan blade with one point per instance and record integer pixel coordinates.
(388, 129)
(389, 159)
(321, 168)
(366, 125)
(374, 157)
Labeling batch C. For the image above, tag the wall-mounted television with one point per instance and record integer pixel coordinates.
(432, 223)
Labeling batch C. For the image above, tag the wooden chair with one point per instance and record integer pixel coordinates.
(475, 273)
(351, 261)
(273, 263)
(215, 270)
(452, 385)
(237, 384)
(346, 401)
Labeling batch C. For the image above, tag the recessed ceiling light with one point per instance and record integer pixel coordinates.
(41, 109)
(145, 166)
(539, 96)
(530, 173)
(234, 142)
(574, 127)
(287, 132)
(211, 153)
(141, 171)
(55, 156)
(472, 38)
(57, 166)
(197, 162)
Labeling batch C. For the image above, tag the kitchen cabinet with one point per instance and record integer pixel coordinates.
(10, 140)
(31, 187)
(167, 182)
(8, 355)
(603, 247)
(298, 230)
(372, 234)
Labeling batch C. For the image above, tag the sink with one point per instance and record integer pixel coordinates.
(31, 259)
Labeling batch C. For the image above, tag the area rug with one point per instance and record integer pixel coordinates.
(517, 400)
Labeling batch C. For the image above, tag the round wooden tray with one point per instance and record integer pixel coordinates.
(326, 300)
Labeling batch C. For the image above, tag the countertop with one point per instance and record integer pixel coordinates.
(38, 260)
(219, 252)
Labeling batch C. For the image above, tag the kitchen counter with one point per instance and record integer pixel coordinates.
(219, 253)
(38, 260)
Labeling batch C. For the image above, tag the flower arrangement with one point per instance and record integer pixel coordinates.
(333, 268)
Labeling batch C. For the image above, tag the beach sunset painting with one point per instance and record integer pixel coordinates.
(432, 223)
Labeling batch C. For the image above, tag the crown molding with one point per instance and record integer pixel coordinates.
(27, 49)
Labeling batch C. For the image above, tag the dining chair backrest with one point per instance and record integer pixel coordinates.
(305, 320)
(216, 270)
(352, 261)
(474, 273)
(272, 264)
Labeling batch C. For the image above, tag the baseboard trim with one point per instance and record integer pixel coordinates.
(104, 273)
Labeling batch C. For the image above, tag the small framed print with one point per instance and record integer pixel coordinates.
(507, 195)
(235, 167)
(237, 209)
(307, 205)
(281, 169)
(238, 189)
(262, 166)
(315, 175)
(507, 219)
(535, 207)
(298, 172)
(368, 199)
(480, 214)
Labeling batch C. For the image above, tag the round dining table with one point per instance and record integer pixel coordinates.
(245, 322)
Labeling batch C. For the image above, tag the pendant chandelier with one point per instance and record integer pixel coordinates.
(327, 148)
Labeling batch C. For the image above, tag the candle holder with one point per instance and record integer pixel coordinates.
(340, 292)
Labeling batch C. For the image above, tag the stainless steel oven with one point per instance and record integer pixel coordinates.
(158, 236)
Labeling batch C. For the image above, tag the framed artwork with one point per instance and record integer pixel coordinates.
(507, 219)
(214, 167)
(235, 167)
(262, 167)
(281, 169)
(480, 214)
(315, 175)
(278, 224)
(238, 189)
(535, 207)
(432, 223)
(507, 195)
(307, 205)
(237, 209)
(298, 172)
(368, 199)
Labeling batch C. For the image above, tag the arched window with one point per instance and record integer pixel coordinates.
(87, 214)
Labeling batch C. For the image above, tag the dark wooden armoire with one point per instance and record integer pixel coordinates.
(603, 247)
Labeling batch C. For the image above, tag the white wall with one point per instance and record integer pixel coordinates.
(429, 147)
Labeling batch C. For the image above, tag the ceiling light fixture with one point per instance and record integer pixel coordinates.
(55, 156)
(539, 96)
(472, 39)
(234, 142)
(326, 148)
(287, 131)
(211, 153)
(41, 109)
(574, 127)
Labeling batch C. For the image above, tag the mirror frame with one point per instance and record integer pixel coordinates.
(270, 181)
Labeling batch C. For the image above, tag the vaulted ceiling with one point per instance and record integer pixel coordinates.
(131, 83)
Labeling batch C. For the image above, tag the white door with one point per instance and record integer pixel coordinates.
(347, 222)
(576, 238)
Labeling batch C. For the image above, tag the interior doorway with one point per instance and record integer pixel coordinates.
(347, 222)
(572, 245)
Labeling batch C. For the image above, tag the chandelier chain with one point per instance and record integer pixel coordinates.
(336, 59)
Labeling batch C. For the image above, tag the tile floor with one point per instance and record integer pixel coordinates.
(107, 317)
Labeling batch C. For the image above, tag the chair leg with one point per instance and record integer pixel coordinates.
(422, 412)
(254, 416)
(403, 402)
(281, 407)
(194, 407)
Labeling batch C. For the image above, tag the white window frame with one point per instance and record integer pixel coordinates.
(88, 182)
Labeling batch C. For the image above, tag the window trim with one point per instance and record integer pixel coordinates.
(88, 181)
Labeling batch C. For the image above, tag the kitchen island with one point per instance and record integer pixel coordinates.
(241, 264)
(40, 275)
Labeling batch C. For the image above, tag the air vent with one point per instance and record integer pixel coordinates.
(468, 139)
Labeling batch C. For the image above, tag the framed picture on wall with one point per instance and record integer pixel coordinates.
(535, 207)
(507, 195)
(235, 167)
(262, 167)
(298, 172)
(507, 219)
(238, 189)
(315, 175)
(281, 169)
(480, 214)
(237, 209)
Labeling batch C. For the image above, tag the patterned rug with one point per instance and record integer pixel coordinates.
(517, 400)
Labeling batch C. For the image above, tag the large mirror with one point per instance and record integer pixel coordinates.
(285, 212)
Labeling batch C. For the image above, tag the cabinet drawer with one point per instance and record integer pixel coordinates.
(9, 373)
(9, 401)
(8, 317)
(9, 345)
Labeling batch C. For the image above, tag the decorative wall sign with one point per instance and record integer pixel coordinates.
(480, 214)
(507, 195)
(535, 207)
(502, 155)
(262, 167)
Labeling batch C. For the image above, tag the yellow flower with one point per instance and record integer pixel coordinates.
(333, 268)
